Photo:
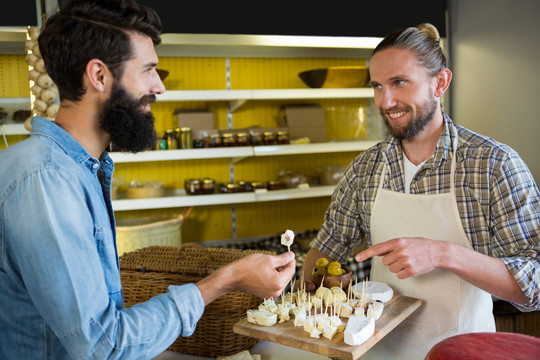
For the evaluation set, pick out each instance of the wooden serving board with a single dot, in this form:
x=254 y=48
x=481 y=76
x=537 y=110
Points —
x=395 y=311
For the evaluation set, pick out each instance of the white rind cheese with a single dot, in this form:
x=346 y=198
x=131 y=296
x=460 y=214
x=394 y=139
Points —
x=358 y=330
x=374 y=291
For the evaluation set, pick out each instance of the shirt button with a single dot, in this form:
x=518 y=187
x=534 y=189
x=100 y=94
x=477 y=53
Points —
x=95 y=166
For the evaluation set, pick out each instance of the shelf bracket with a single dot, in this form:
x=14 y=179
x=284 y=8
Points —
x=235 y=104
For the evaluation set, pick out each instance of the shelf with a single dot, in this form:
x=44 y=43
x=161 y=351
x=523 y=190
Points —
x=220 y=199
x=243 y=151
x=13 y=129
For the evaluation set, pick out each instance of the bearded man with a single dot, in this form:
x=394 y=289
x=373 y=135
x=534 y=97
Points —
x=61 y=294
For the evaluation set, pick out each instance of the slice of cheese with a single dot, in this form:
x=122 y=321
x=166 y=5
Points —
x=375 y=309
x=261 y=317
x=358 y=330
x=374 y=291
x=242 y=355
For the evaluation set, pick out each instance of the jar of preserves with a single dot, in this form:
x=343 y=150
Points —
x=282 y=138
x=256 y=138
x=269 y=138
x=193 y=186
x=172 y=141
x=242 y=139
x=186 y=138
x=257 y=185
x=276 y=185
x=161 y=143
x=229 y=188
x=198 y=143
x=245 y=186
x=208 y=186
x=228 y=139
x=215 y=140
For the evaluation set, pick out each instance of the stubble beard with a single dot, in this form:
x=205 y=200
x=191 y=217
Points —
x=416 y=124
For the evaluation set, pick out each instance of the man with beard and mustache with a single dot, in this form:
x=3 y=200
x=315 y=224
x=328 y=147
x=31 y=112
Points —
x=61 y=294
x=449 y=216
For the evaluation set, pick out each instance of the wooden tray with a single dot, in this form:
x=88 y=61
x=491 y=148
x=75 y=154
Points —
x=395 y=311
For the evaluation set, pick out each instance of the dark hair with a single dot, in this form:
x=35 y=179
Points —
x=423 y=40
x=92 y=29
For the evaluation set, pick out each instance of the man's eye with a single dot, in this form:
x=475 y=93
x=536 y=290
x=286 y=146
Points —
x=376 y=86
x=399 y=82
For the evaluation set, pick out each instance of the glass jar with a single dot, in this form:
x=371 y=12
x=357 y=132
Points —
x=282 y=137
x=256 y=138
x=242 y=139
x=229 y=139
x=245 y=186
x=208 y=186
x=276 y=185
x=258 y=185
x=172 y=141
x=215 y=140
x=161 y=143
x=193 y=186
x=229 y=188
x=186 y=138
x=269 y=138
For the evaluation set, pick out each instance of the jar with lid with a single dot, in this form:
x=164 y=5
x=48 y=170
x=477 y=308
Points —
x=229 y=139
x=256 y=138
x=282 y=137
x=186 y=138
x=229 y=188
x=193 y=186
x=276 y=185
x=161 y=143
x=242 y=139
x=255 y=185
x=172 y=141
x=208 y=186
x=269 y=138
x=245 y=186
x=215 y=140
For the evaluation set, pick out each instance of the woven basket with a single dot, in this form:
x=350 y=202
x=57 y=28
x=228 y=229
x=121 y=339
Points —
x=148 y=272
x=138 y=233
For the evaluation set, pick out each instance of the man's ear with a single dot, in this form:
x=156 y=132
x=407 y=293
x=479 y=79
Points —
x=98 y=75
x=443 y=81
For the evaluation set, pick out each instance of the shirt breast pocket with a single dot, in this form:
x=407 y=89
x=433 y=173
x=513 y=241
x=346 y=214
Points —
x=109 y=260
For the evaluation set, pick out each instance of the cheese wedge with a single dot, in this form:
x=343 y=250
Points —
x=358 y=330
x=261 y=317
x=339 y=294
x=329 y=331
x=243 y=355
x=375 y=309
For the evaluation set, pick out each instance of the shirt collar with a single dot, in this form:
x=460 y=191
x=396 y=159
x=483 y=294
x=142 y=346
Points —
x=45 y=127
x=392 y=148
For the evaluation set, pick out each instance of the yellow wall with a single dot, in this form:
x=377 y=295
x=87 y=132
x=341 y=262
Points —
x=214 y=222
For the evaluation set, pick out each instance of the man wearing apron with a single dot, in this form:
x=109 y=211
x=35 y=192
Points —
x=451 y=217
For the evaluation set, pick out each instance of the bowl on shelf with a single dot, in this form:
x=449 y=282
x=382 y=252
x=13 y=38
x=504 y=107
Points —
x=336 y=77
x=332 y=280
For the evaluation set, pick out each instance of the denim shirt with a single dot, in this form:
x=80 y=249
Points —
x=61 y=296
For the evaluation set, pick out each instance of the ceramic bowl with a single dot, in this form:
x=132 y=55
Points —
x=332 y=280
x=336 y=77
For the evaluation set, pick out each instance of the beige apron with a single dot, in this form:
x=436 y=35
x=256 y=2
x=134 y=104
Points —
x=450 y=305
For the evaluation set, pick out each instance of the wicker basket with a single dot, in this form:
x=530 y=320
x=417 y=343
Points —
x=138 y=233
x=148 y=272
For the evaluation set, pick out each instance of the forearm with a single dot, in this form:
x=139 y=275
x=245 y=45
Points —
x=216 y=284
x=487 y=273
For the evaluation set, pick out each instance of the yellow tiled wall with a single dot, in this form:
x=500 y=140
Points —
x=214 y=222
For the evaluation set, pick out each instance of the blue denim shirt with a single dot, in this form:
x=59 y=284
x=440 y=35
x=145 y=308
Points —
x=60 y=290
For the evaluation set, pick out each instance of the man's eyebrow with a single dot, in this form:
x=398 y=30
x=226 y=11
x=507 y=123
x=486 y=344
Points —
x=393 y=78
x=151 y=64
